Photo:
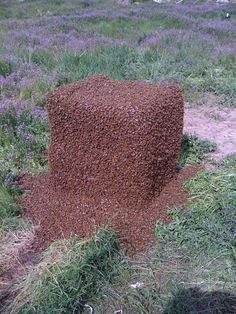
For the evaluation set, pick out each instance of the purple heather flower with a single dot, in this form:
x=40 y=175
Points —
x=2 y=80
x=18 y=104
x=40 y=113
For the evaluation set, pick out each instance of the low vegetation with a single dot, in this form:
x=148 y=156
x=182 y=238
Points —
x=192 y=268
x=24 y=137
x=9 y=210
x=61 y=41
x=70 y=273
x=194 y=150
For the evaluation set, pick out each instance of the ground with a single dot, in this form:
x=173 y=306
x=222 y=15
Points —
x=214 y=124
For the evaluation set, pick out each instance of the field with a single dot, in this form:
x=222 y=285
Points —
x=191 y=268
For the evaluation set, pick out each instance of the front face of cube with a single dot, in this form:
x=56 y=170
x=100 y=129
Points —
x=101 y=149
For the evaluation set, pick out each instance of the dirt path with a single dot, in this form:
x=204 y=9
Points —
x=215 y=124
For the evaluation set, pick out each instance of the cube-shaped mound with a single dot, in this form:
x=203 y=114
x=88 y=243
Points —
x=114 y=140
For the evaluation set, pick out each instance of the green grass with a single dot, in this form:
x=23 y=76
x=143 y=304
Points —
x=126 y=28
x=6 y=67
x=4 y=12
x=9 y=210
x=194 y=150
x=43 y=58
x=192 y=268
x=8 y=207
x=154 y=64
x=69 y=274
x=36 y=93
x=112 y=61
x=208 y=226
x=23 y=141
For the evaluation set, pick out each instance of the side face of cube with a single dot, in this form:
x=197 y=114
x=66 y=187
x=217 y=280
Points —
x=122 y=153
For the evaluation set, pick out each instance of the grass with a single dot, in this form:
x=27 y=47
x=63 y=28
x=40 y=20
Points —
x=42 y=58
x=165 y=43
x=24 y=138
x=4 y=12
x=40 y=8
x=112 y=61
x=194 y=150
x=36 y=93
x=193 y=266
x=209 y=225
x=8 y=207
x=124 y=28
x=9 y=210
x=153 y=64
x=6 y=67
x=69 y=274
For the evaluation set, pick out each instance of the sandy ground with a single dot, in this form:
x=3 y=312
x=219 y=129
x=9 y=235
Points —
x=215 y=124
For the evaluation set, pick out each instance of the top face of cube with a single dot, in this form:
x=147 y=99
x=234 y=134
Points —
x=98 y=94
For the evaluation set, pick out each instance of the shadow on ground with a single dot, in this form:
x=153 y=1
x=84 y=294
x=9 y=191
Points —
x=196 y=301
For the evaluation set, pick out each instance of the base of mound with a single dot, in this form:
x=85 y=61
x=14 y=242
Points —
x=61 y=217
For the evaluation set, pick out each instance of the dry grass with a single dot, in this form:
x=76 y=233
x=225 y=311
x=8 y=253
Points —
x=13 y=245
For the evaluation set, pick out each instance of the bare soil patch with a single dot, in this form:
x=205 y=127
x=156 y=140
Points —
x=214 y=124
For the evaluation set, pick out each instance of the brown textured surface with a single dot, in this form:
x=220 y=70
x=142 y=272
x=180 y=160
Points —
x=113 y=148
x=65 y=216
x=114 y=140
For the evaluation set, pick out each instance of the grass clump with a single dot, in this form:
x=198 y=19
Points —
x=194 y=150
x=9 y=211
x=69 y=274
x=42 y=58
x=4 y=12
x=6 y=67
x=24 y=137
x=8 y=207
x=112 y=61
x=10 y=220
